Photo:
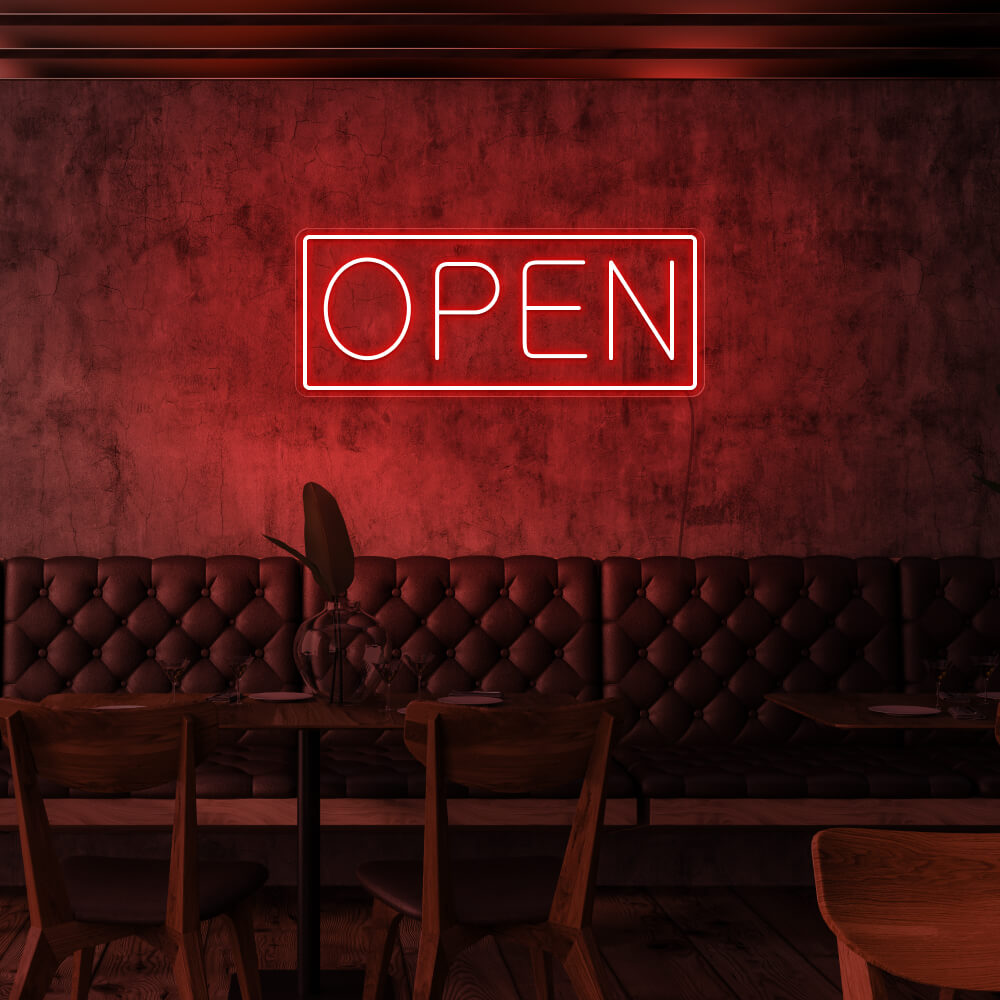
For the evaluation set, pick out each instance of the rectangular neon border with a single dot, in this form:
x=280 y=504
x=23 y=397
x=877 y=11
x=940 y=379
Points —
x=690 y=238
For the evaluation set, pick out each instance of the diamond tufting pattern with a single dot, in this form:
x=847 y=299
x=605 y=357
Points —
x=950 y=610
x=527 y=622
x=693 y=645
x=98 y=625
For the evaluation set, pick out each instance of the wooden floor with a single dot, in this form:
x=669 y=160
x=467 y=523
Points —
x=684 y=944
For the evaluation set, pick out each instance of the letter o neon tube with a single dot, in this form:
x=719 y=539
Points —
x=326 y=309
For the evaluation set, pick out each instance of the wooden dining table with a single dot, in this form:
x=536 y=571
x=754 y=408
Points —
x=843 y=710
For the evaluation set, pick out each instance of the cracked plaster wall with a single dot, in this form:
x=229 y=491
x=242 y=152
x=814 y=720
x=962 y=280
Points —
x=147 y=303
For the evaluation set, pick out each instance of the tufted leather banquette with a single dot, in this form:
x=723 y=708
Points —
x=692 y=646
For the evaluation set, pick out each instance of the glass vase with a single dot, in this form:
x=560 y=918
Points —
x=334 y=649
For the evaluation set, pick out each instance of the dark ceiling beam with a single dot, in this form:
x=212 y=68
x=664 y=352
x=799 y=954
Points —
x=563 y=38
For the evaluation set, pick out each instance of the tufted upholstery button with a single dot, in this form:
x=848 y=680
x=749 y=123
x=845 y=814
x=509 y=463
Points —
x=642 y=654
x=668 y=621
x=670 y=682
x=856 y=592
x=151 y=654
x=450 y=653
x=696 y=653
x=504 y=653
x=450 y=592
x=697 y=713
x=423 y=621
x=97 y=654
x=531 y=682
x=641 y=592
x=396 y=592
x=124 y=621
x=205 y=591
x=557 y=592
x=748 y=592
x=396 y=654
x=69 y=621
x=504 y=591
x=752 y=713
x=177 y=622
x=751 y=654
x=558 y=654
x=258 y=653
x=477 y=621
x=123 y=684
x=151 y=592
x=232 y=621
x=644 y=712
x=531 y=621
x=42 y=653
x=97 y=591
x=804 y=653
x=205 y=654
x=695 y=591
x=777 y=623
x=69 y=683
x=804 y=592
x=44 y=592
x=259 y=592
x=476 y=684
x=859 y=654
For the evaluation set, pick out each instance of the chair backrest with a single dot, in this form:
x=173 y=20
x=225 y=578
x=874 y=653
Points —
x=107 y=751
x=115 y=751
x=511 y=749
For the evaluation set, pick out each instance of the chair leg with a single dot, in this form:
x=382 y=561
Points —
x=541 y=971
x=428 y=980
x=382 y=937
x=239 y=924
x=585 y=967
x=36 y=969
x=189 y=968
x=858 y=979
x=83 y=970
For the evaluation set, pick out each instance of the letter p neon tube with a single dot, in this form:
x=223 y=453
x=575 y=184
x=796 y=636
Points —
x=439 y=312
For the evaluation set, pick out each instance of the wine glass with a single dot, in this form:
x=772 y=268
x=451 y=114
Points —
x=174 y=669
x=419 y=664
x=240 y=665
x=385 y=667
x=985 y=667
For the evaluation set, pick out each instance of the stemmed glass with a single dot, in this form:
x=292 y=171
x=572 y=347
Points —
x=175 y=670
x=419 y=664
x=985 y=667
x=385 y=667
x=240 y=665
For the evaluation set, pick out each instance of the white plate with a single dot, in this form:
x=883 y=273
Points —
x=115 y=708
x=470 y=699
x=904 y=710
x=280 y=696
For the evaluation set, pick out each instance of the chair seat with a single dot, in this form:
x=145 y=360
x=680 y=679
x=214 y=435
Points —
x=494 y=892
x=134 y=890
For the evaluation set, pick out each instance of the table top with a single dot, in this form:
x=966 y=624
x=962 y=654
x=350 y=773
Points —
x=311 y=714
x=853 y=711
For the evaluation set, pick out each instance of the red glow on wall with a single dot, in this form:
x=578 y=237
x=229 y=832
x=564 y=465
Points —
x=530 y=313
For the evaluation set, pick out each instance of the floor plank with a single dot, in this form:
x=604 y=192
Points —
x=744 y=950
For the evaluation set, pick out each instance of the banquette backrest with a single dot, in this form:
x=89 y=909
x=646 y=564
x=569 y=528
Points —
x=950 y=609
x=97 y=625
x=693 y=645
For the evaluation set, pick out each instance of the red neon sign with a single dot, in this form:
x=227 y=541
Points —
x=529 y=313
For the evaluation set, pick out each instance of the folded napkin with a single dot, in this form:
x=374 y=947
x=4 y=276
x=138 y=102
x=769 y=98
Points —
x=478 y=692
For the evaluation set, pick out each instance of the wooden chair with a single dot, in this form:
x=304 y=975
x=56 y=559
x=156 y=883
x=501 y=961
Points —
x=87 y=901
x=923 y=906
x=544 y=903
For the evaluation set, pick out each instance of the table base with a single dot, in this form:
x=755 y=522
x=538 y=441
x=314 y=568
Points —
x=282 y=984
